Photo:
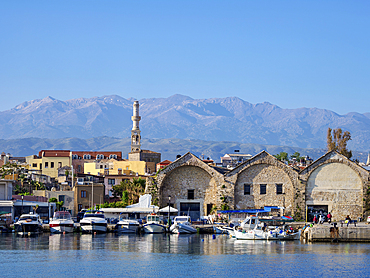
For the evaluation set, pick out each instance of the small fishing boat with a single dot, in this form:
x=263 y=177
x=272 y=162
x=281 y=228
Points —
x=253 y=229
x=94 y=222
x=153 y=225
x=128 y=225
x=182 y=225
x=28 y=224
x=61 y=223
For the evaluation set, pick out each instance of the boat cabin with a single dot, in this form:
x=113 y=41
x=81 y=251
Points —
x=152 y=218
x=62 y=215
x=182 y=219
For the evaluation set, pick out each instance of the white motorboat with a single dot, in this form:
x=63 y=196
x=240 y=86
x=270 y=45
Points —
x=224 y=230
x=61 y=223
x=182 y=225
x=253 y=229
x=28 y=224
x=153 y=225
x=93 y=222
x=128 y=225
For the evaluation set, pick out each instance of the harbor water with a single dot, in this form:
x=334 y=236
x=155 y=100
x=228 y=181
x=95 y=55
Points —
x=161 y=255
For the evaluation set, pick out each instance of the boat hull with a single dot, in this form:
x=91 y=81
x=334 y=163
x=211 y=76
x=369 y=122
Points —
x=94 y=228
x=61 y=228
x=153 y=228
x=265 y=235
x=127 y=228
x=27 y=229
x=182 y=229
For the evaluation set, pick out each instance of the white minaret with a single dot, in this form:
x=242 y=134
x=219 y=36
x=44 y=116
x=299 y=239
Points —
x=135 y=132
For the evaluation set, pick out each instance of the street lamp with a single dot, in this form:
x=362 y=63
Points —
x=22 y=204
x=169 y=203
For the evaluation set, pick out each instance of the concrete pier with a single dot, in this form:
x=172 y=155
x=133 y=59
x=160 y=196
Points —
x=329 y=233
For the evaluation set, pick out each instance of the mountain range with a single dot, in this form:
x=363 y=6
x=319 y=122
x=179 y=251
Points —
x=180 y=117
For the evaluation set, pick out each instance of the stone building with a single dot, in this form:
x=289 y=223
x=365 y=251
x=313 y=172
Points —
x=336 y=184
x=263 y=181
x=331 y=183
x=194 y=186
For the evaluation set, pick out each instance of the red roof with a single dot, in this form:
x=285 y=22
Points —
x=54 y=153
x=165 y=162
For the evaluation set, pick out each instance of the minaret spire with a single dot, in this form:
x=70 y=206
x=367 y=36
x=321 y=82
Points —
x=135 y=132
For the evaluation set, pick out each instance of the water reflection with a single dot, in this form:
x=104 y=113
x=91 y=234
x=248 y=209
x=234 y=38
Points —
x=140 y=255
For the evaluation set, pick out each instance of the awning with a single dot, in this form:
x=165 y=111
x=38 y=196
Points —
x=165 y=209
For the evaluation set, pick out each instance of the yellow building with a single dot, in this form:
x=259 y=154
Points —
x=49 y=161
x=115 y=167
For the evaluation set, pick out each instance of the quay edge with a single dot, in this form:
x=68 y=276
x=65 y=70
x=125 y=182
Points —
x=329 y=233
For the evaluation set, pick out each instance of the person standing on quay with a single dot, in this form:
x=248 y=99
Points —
x=329 y=216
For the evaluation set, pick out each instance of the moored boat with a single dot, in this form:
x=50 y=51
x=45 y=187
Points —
x=61 y=223
x=182 y=225
x=153 y=225
x=28 y=224
x=253 y=229
x=128 y=225
x=93 y=222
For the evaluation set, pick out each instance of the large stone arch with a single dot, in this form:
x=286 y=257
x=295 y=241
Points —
x=189 y=173
x=264 y=169
x=336 y=183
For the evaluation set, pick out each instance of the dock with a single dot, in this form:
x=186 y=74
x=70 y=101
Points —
x=337 y=233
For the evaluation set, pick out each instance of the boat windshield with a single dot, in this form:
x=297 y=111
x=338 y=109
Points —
x=181 y=219
x=93 y=215
x=153 y=218
x=62 y=215
x=33 y=218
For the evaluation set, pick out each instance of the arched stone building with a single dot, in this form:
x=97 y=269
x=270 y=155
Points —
x=331 y=183
x=336 y=184
x=263 y=181
x=193 y=185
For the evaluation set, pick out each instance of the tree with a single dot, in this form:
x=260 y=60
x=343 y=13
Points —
x=58 y=204
x=337 y=140
x=282 y=156
x=297 y=156
x=129 y=191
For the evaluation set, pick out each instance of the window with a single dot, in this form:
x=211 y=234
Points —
x=191 y=194
x=247 y=189
x=59 y=164
x=87 y=156
x=51 y=164
x=79 y=207
x=61 y=198
x=75 y=156
x=111 y=181
x=101 y=166
x=262 y=189
x=83 y=194
x=79 y=168
x=279 y=189
x=46 y=164
x=40 y=166
x=34 y=165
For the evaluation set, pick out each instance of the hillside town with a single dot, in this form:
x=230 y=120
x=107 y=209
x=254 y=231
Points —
x=76 y=181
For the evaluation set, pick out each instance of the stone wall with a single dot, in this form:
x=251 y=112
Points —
x=332 y=180
x=337 y=182
x=264 y=169
x=189 y=172
x=270 y=176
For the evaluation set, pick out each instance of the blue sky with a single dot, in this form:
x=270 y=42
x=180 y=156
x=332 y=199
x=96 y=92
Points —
x=290 y=53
